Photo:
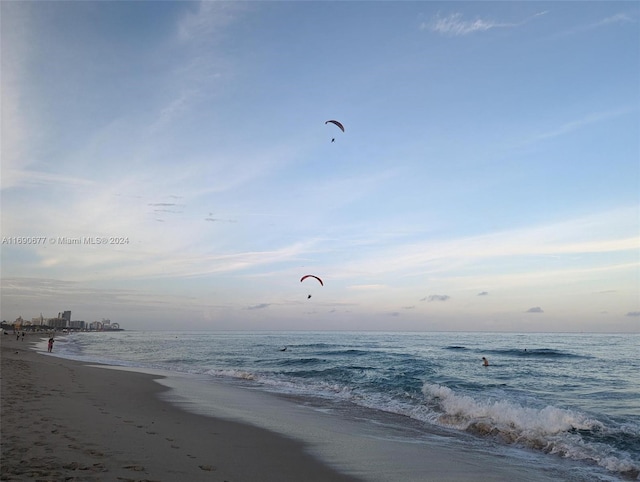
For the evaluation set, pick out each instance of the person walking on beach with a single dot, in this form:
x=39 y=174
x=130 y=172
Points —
x=50 y=347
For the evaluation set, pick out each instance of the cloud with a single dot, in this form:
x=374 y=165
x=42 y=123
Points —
x=454 y=25
x=431 y=298
x=535 y=309
x=51 y=295
x=261 y=306
x=616 y=19
x=29 y=178
x=576 y=124
x=483 y=293
x=18 y=129
x=166 y=211
x=607 y=232
x=206 y=20
x=633 y=313
x=218 y=220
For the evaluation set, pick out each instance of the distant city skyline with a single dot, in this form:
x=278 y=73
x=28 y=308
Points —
x=170 y=164
x=61 y=321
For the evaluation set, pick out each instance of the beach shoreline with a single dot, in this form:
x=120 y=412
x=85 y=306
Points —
x=65 y=420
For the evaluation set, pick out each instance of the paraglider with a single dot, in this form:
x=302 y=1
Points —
x=311 y=276
x=339 y=124
x=336 y=123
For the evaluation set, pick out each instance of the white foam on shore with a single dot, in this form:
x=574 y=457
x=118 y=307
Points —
x=375 y=448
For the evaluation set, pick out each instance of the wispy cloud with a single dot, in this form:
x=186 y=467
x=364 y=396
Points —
x=535 y=309
x=90 y=302
x=612 y=20
x=455 y=25
x=432 y=298
x=576 y=124
x=581 y=236
x=616 y=19
x=31 y=178
x=206 y=19
x=218 y=220
x=17 y=127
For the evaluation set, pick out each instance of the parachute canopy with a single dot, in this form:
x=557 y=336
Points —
x=311 y=276
x=336 y=123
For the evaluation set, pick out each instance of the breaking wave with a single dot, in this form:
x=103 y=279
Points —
x=550 y=429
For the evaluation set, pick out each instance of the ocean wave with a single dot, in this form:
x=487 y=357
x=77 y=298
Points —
x=344 y=352
x=292 y=362
x=239 y=374
x=549 y=429
x=535 y=353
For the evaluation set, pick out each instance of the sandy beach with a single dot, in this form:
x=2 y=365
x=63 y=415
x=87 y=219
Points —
x=63 y=420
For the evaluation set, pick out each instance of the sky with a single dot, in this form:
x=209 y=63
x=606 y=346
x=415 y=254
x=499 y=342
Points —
x=168 y=165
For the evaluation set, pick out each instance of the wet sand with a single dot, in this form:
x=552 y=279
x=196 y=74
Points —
x=64 y=420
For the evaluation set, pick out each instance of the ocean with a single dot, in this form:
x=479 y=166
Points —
x=567 y=402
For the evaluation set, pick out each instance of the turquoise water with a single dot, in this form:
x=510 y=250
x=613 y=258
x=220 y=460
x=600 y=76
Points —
x=562 y=397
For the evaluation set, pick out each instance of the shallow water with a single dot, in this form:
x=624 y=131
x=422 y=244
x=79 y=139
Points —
x=560 y=398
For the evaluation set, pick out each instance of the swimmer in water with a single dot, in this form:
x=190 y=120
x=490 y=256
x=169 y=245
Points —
x=485 y=362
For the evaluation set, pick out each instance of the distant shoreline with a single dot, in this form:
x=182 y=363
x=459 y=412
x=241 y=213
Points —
x=29 y=331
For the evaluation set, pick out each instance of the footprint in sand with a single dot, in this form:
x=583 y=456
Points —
x=95 y=453
x=135 y=468
x=98 y=468
x=208 y=468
